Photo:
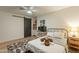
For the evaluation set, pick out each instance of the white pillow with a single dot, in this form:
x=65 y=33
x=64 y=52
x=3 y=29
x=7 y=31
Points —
x=58 y=34
x=62 y=42
x=50 y=34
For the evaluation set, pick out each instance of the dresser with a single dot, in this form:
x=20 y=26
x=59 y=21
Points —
x=73 y=42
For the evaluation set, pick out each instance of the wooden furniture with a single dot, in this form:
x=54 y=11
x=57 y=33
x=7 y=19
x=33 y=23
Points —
x=34 y=23
x=34 y=26
x=73 y=42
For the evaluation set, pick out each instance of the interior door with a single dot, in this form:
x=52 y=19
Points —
x=27 y=27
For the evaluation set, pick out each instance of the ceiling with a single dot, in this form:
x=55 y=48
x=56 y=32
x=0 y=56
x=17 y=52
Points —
x=41 y=10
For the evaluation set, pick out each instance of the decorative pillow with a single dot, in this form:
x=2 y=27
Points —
x=50 y=40
x=42 y=39
x=47 y=42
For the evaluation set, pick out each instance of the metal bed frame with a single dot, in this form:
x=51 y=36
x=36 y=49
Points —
x=58 y=30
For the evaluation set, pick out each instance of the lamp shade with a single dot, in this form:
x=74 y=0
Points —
x=69 y=29
x=77 y=29
x=73 y=31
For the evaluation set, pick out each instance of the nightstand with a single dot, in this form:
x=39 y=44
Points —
x=73 y=42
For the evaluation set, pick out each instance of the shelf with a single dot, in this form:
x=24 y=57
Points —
x=34 y=24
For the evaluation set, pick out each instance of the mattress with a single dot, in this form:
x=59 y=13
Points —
x=38 y=47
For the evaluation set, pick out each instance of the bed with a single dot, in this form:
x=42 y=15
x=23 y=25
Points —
x=59 y=36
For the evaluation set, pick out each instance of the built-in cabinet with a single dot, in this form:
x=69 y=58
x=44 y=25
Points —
x=34 y=26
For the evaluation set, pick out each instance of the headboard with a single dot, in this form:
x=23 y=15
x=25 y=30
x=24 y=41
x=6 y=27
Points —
x=60 y=35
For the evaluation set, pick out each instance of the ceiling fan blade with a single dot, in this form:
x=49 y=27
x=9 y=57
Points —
x=34 y=10
x=18 y=16
x=23 y=8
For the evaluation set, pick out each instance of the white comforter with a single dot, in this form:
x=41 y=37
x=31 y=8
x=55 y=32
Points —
x=38 y=47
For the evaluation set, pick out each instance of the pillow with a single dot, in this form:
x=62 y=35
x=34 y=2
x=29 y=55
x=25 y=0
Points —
x=58 y=35
x=50 y=34
x=50 y=39
x=42 y=39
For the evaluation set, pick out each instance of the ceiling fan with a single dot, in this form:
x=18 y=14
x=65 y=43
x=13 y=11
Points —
x=29 y=9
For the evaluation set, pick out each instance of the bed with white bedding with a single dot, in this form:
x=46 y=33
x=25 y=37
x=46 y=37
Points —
x=38 y=47
x=57 y=46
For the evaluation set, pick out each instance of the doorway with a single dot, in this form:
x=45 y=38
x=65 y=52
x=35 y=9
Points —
x=27 y=27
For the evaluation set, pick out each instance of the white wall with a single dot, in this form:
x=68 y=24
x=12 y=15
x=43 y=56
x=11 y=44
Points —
x=62 y=18
x=10 y=27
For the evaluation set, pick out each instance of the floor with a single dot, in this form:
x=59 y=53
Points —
x=3 y=46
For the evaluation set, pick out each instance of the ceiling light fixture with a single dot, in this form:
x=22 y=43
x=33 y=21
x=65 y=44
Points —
x=29 y=12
